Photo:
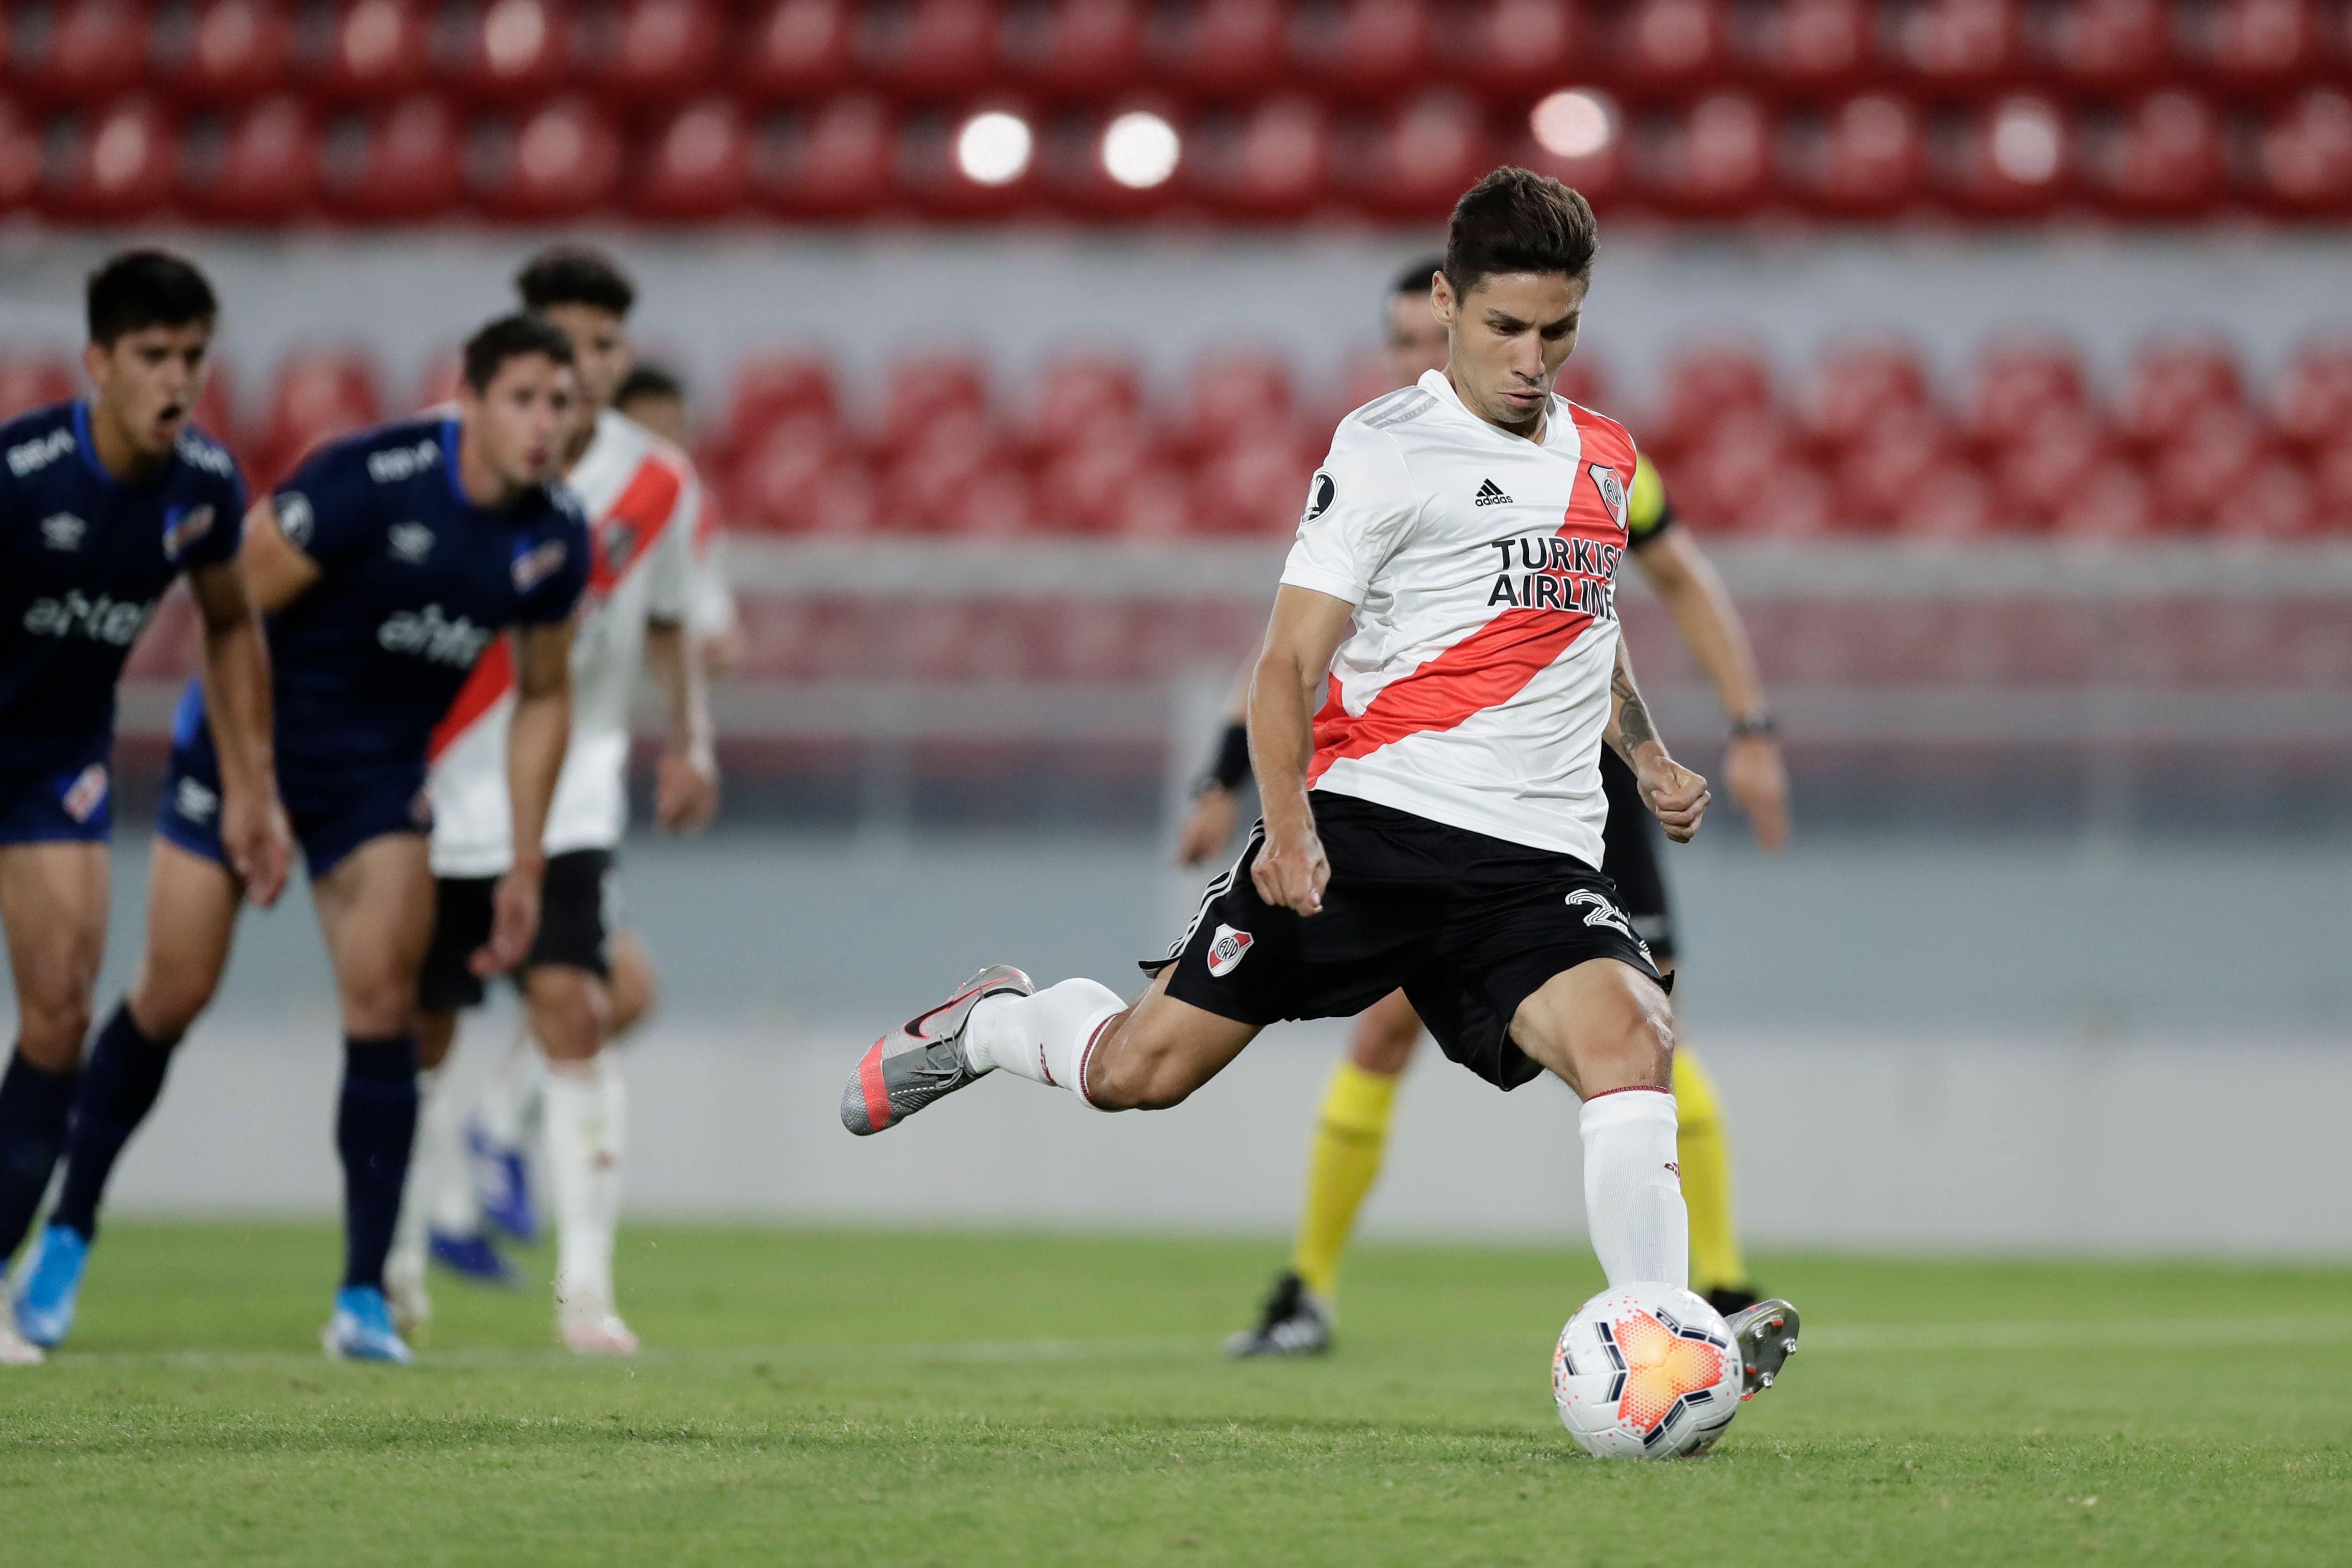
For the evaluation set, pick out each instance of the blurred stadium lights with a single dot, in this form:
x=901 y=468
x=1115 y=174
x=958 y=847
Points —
x=1139 y=149
x=1576 y=123
x=2026 y=139
x=993 y=147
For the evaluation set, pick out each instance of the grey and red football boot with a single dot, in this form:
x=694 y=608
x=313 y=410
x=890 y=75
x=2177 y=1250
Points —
x=911 y=1067
x=1766 y=1334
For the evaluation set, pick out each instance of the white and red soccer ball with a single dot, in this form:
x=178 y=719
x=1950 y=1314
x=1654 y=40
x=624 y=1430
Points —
x=1647 y=1372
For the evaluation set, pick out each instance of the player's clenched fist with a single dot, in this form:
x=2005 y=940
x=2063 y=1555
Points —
x=1290 y=871
x=1675 y=794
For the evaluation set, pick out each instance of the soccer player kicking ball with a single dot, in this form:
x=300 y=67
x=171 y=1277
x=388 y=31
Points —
x=386 y=565
x=1351 y=1131
x=1439 y=822
x=103 y=502
x=583 y=980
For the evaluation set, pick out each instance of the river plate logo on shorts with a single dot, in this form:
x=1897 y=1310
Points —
x=1227 y=950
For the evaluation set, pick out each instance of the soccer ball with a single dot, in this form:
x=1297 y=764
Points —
x=1647 y=1372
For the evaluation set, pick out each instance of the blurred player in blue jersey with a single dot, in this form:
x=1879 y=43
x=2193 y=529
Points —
x=386 y=565
x=103 y=502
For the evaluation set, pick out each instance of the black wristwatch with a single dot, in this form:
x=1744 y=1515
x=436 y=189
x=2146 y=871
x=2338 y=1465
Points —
x=1759 y=725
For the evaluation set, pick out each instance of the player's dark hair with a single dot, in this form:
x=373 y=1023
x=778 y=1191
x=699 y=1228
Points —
x=1415 y=279
x=1516 y=220
x=140 y=288
x=648 y=382
x=569 y=275
x=510 y=337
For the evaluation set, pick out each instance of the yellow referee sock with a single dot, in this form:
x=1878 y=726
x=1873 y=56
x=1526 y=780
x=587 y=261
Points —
x=1705 y=1159
x=1351 y=1136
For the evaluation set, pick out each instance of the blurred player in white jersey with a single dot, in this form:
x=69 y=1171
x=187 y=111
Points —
x=585 y=978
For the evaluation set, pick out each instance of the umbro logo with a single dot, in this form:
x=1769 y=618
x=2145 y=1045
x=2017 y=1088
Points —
x=1490 y=495
x=411 y=542
x=63 y=530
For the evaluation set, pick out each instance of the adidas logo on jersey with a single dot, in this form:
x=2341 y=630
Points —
x=428 y=633
x=1490 y=495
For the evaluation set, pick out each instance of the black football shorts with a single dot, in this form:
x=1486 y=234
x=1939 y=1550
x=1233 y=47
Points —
x=577 y=916
x=1630 y=857
x=1469 y=925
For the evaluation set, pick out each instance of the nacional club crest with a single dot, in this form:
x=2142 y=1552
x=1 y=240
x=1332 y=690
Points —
x=184 y=526
x=87 y=793
x=536 y=564
x=1612 y=490
x=1229 y=949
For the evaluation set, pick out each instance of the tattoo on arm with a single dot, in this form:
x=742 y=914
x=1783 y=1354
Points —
x=1632 y=729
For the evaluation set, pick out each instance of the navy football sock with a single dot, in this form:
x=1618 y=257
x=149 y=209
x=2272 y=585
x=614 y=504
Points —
x=375 y=1126
x=34 y=1103
x=118 y=1088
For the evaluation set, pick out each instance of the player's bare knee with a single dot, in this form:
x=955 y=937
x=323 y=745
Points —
x=570 y=1012
x=379 y=1000
x=53 y=1019
x=167 y=998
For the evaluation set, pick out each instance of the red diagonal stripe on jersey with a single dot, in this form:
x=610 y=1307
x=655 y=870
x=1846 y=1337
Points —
x=493 y=677
x=643 y=510
x=1489 y=667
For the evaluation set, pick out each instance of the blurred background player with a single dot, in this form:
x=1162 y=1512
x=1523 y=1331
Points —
x=655 y=397
x=104 y=501
x=1351 y=1131
x=386 y=565
x=584 y=979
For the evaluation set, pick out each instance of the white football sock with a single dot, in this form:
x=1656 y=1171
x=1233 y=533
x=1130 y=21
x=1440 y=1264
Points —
x=437 y=1171
x=1634 y=1187
x=405 y=1262
x=584 y=1107
x=1044 y=1037
x=503 y=1107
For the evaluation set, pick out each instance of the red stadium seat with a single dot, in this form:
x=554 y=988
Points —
x=771 y=389
x=2014 y=158
x=796 y=47
x=2275 y=500
x=1790 y=500
x=1720 y=163
x=2019 y=385
x=1578 y=137
x=1872 y=159
x=2257 y=44
x=2174 y=387
x=20 y=157
x=1431 y=151
x=1673 y=46
x=1256 y=485
x=378 y=49
x=406 y=163
x=318 y=394
x=802 y=479
x=2306 y=154
x=2314 y=399
x=930 y=484
x=934 y=390
x=1584 y=381
x=1881 y=473
x=1965 y=44
x=28 y=382
x=1370 y=48
x=263 y=169
x=697 y=163
x=1952 y=501
x=2111 y=46
x=94 y=49
x=1237 y=395
x=1855 y=388
x=1820 y=46
x=1718 y=476
x=565 y=159
x=1225 y=48
x=929 y=169
x=2166 y=158
x=506 y=49
x=1506 y=48
x=1088 y=48
x=122 y=163
x=216 y=407
x=1703 y=386
x=1079 y=395
x=444 y=375
x=651 y=51
x=2114 y=501
x=936 y=47
x=1115 y=484
x=1271 y=163
x=2046 y=461
x=836 y=163
x=2202 y=466
x=2331 y=475
x=230 y=49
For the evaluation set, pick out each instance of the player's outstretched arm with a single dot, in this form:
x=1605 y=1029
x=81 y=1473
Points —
x=1677 y=795
x=1307 y=630
x=685 y=787
x=235 y=678
x=536 y=736
x=1711 y=628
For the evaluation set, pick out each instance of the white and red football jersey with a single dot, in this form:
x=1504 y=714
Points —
x=643 y=501
x=1482 y=566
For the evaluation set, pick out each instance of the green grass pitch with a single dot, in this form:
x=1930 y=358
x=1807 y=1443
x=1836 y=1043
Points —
x=816 y=1397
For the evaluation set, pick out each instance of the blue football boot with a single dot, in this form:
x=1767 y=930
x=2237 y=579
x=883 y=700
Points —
x=361 y=1328
x=503 y=1183
x=471 y=1255
x=46 y=1300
